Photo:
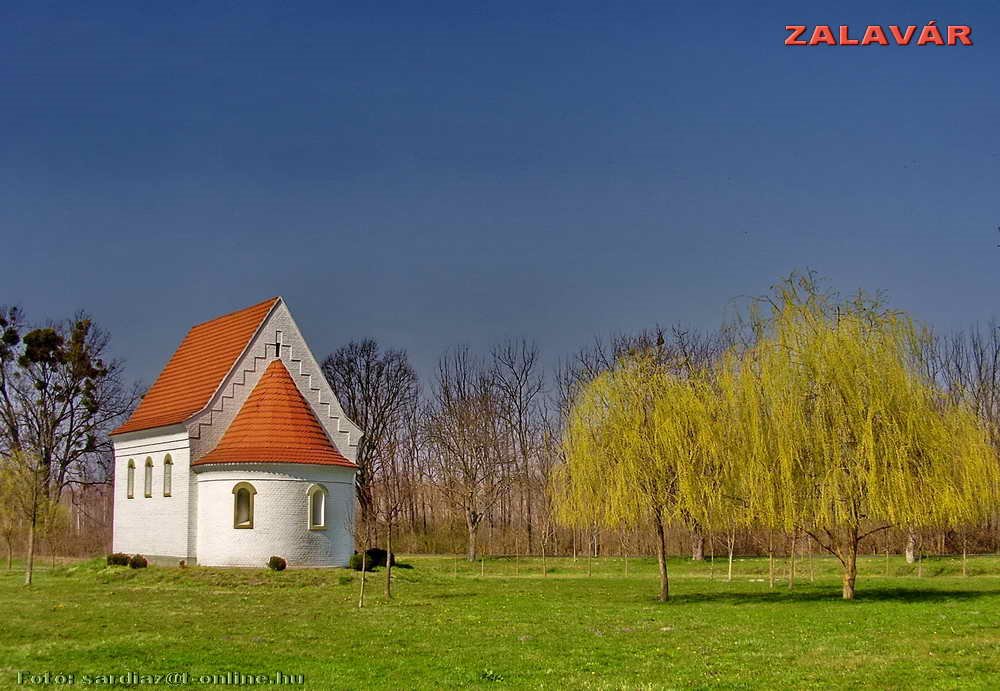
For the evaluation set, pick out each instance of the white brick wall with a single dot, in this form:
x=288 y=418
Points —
x=280 y=525
x=196 y=523
x=156 y=525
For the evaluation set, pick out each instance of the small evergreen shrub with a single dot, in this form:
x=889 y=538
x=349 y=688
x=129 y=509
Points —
x=377 y=556
x=355 y=563
x=138 y=562
x=118 y=559
x=276 y=564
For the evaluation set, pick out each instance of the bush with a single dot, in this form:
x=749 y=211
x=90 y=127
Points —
x=138 y=562
x=118 y=559
x=355 y=563
x=377 y=556
x=276 y=564
x=374 y=558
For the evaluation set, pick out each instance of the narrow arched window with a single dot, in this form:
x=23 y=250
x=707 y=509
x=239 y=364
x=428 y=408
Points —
x=243 y=494
x=317 y=507
x=148 y=480
x=168 y=471
x=130 y=483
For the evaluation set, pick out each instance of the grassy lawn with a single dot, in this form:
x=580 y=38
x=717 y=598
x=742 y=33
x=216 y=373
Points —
x=451 y=627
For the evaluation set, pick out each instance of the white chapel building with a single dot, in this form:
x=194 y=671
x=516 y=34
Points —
x=238 y=452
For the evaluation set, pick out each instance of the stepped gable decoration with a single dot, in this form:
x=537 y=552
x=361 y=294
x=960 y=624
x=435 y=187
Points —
x=275 y=425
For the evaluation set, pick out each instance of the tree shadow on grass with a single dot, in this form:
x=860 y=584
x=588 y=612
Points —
x=831 y=595
x=453 y=595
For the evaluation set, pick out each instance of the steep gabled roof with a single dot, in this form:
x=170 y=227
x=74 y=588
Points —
x=197 y=368
x=275 y=425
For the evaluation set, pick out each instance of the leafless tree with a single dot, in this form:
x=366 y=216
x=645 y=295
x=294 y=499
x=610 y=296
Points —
x=465 y=428
x=518 y=379
x=393 y=486
x=376 y=388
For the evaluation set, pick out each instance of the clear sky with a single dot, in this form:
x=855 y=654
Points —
x=442 y=173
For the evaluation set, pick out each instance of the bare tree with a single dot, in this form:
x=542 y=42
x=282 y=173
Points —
x=375 y=388
x=520 y=385
x=392 y=484
x=466 y=431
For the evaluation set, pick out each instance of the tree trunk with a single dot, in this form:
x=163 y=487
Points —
x=542 y=545
x=965 y=557
x=388 y=560
x=365 y=510
x=30 y=567
x=711 y=557
x=10 y=556
x=770 y=560
x=527 y=503
x=661 y=556
x=364 y=566
x=472 y=525
x=591 y=551
x=850 y=569
x=730 y=546
x=697 y=543
x=791 y=563
x=911 y=547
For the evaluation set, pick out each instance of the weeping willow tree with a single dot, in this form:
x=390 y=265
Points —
x=838 y=433
x=634 y=443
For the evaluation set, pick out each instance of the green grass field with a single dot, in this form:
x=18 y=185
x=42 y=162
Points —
x=451 y=626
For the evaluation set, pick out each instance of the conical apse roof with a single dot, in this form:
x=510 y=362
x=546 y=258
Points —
x=275 y=425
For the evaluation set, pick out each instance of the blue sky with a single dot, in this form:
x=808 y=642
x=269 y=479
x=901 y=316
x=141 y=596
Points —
x=463 y=174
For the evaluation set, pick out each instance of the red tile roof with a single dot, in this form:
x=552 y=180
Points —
x=275 y=425
x=197 y=368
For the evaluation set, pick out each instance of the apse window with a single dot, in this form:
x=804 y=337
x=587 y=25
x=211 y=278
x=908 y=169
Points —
x=243 y=495
x=130 y=484
x=317 y=507
x=148 y=480
x=168 y=471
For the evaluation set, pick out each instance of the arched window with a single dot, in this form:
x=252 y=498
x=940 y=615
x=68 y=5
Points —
x=130 y=484
x=243 y=494
x=168 y=471
x=148 y=484
x=317 y=507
